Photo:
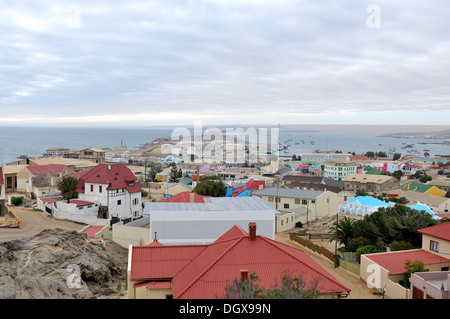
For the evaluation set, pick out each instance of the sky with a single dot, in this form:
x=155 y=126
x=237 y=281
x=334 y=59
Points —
x=148 y=63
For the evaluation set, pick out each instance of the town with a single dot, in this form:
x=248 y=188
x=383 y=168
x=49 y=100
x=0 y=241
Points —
x=158 y=224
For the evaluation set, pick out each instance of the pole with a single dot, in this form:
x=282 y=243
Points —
x=336 y=263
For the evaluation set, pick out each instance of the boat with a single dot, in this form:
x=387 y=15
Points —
x=408 y=146
x=426 y=150
x=312 y=143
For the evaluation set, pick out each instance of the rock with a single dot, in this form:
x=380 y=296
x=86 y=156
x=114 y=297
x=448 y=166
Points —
x=58 y=264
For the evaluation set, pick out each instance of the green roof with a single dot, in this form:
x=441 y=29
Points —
x=417 y=187
x=371 y=170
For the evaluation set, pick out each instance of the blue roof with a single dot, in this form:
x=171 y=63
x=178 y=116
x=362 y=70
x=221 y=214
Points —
x=368 y=201
x=420 y=207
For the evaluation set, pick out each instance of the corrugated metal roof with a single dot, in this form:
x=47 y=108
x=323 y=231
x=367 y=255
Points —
x=440 y=231
x=287 y=192
x=203 y=271
x=394 y=262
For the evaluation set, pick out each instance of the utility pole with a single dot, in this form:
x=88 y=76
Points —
x=336 y=263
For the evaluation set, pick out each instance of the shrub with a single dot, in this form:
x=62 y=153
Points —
x=17 y=201
x=400 y=245
x=354 y=243
x=368 y=249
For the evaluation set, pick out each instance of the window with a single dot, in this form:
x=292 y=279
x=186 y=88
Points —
x=444 y=268
x=92 y=188
x=286 y=206
x=277 y=199
x=270 y=199
x=297 y=201
x=313 y=201
x=119 y=202
x=304 y=202
x=100 y=187
x=434 y=245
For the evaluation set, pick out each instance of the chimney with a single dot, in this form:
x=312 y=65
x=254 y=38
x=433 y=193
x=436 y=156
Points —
x=252 y=231
x=244 y=274
x=192 y=197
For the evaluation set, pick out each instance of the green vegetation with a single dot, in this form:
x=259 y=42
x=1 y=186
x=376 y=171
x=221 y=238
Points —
x=17 y=201
x=395 y=227
x=67 y=185
x=290 y=287
x=411 y=266
x=211 y=187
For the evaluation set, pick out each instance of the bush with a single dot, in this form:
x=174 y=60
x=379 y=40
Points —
x=354 y=243
x=368 y=249
x=400 y=245
x=17 y=201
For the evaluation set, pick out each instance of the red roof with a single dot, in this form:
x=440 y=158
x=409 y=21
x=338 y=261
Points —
x=440 y=231
x=185 y=197
x=49 y=200
x=52 y=169
x=155 y=285
x=203 y=271
x=91 y=231
x=255 y=185
x=394 y=262
x=116 y=175
x=79 y=202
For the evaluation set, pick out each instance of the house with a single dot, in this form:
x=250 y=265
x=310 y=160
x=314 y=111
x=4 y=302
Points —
x=163 y=176
x=157 y=271
x=408 y=169
x=386 y=269
x=363 y=205
x=371 y=183
x=96 y=155
x=246 y=189
x=179 y=223
x=185 y=197
x=317 y=203
x=338 y=170
x=425 y=208
x=45 y=203
x=360 y=159
x=423 y=188
x=2 y=184
x=323 y=157
x=40 y=180
x=438 y=204
x=171 y=189
x=57 y=152
x=114 y=188
x=10 y=179
x=442 y=184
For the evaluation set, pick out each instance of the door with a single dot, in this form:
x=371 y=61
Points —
x=417 y=293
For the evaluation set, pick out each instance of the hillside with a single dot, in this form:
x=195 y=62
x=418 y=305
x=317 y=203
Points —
x=42 y=267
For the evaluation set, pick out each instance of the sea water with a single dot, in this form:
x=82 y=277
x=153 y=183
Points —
x=34 y=141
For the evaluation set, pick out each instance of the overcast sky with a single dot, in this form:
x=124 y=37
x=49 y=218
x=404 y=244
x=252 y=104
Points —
x=144 y=63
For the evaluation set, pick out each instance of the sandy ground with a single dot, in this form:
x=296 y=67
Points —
x=359 y=289
x=33 y=222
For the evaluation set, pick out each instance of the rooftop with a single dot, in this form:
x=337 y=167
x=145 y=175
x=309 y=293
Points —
x=439 y=231
x=286 y=192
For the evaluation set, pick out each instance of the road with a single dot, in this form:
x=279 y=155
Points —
x=359 y=289
x=33 y=222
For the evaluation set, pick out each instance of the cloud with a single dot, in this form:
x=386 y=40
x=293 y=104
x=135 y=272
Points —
x=138 y=61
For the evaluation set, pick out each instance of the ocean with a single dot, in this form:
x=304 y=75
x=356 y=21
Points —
x=33 y=141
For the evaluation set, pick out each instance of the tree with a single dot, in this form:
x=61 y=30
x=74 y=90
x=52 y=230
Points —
x=410 y=266
x=214 y=188
x=394 y=223
x=396 y=156
x=290 y=287
x=397 y=174
x=67 y=185
x=400 y=245
x=368 y=249
x=361 y=192
x=370 y=154
x=345 y=229
x=425 y=178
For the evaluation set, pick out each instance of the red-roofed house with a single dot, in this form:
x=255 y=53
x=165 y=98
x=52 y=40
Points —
x=113 y=186
x=204 y=271
x=186 y=197
x=387 y=268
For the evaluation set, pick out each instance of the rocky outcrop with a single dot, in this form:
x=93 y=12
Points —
x=58 y=264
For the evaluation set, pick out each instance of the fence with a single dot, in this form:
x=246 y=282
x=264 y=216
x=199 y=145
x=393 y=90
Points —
x=310 y=245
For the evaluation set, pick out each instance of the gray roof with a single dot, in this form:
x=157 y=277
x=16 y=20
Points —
x=286 y=192
x=212 y=204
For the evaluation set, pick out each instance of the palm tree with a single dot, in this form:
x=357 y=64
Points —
x=67 y=185
x=345 y=230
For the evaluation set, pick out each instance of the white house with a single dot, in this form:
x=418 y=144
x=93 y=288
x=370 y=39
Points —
x=113 y=186
x=203 y=223
x=363 y=205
